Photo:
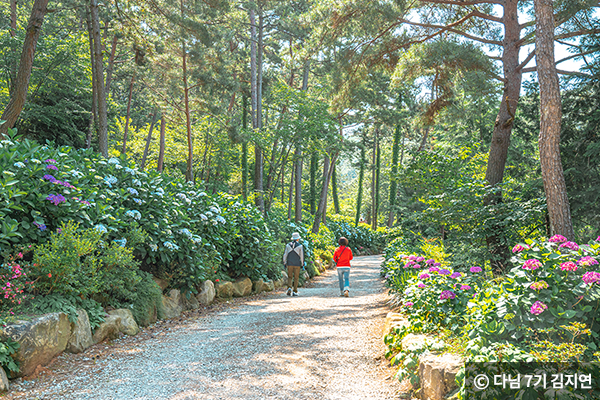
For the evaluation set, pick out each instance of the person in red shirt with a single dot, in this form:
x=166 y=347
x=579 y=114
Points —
x=342 y=257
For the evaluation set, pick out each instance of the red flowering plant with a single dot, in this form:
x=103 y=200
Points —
x=15 y=286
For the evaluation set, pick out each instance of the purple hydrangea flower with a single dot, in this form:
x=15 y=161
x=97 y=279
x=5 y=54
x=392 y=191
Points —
x=41 y=227
x=591 y=277
x=56 y=199
x=50 y=161
x=430 y=261
x=587 y=261
x=538 y=307
x=557 y=239
x=424 y=276
x=67 y=185
x=421 y=285
x=447 y=294
x=568 y=266
x=444 y=272
x=539 y=285
x=50 y=178
x=532 y=264
x=53 y=167
x=475 y=269
x=434 y=269
x=570 y=245
x=456 y=275
x=437 y=264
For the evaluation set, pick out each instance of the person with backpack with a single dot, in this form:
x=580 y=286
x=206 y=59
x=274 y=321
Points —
x=293 y=259
x=342 y=257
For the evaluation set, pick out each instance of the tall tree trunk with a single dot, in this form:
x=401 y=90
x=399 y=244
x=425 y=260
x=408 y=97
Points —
x=126 y=131
x=254 y=89
x=298 y=156
x=324 y=214
x=328 y=170
x=100 y=95
x=361 y=178
x=550 y=122
x=13 y=32
x=377 y=185
x=161 y=147
x=334 y=190
x=374 y=181
x=245 y=150
x=94 y=113
x=149 y=139
x=394 y=176
x=313 y=183
x=291 y=193
x=17 y=99
x=503 y=126
x=111 y=64
x=189 y=173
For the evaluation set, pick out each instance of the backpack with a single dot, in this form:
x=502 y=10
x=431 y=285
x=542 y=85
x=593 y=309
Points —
x=293 y=258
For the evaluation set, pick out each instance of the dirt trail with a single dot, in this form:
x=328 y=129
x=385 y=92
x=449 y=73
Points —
x=316 y=346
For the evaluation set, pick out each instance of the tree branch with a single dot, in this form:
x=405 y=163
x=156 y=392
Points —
x=464 y=3
x=450 y=28
x=526 y=61
x=560 y=71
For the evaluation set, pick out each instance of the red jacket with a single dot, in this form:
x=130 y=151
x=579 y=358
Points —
x=342 y=256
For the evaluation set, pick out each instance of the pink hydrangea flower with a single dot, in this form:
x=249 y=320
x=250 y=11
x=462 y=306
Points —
x=417 y=266
x=412 y=258
x=424 y=276
x=557 y=239
x=532 y=264
x=591 y=277
x=465 y=287
x=570 y=245
x=587 y=261
x=518 y=248
x=598 y=239
x=539 y=285
x=421 y=285
x=409 y=304
x=420 y=259
x=475 y=269
x=538 y=307
x=447 y=294
x=568 y=266
x=434 y=269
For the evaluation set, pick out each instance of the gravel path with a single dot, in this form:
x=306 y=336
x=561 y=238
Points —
x=316 y=346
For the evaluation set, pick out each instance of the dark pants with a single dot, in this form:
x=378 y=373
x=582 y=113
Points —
x=293 y=274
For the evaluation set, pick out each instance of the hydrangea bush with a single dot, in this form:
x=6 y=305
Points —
x=191 y=236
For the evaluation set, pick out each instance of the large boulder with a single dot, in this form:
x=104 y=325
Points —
x=81 y=334
x=224 y=290
x=259 y=286
x=190 y=302
x=41 y=340
x=269 y=286
x=127 y=325
x=4 y=385
x=172 y=304
x=242 y=287
x=206 y=293
x=393 y=320
x=437 y=375
x=162 y=283
x=109 y=329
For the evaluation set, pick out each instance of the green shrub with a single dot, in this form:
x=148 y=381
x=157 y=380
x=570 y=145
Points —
x=8 y=347
x=148 y=297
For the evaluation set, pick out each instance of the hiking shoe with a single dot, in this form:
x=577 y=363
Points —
x=289 y=292
x=346 y=293
x=295 y=294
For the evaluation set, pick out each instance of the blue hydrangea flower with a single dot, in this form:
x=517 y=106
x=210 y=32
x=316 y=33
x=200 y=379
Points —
x=153 y=247
x=114 y=160
x=101 y=228
x=133 y=191
x=135 y=214
x=221 y=219
x=110 y=180
x=121 y=242
x=137 y=182
x=203 y=217
x=171 y=245
x=137 y=201
x=19 y=165
x=186 y=232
